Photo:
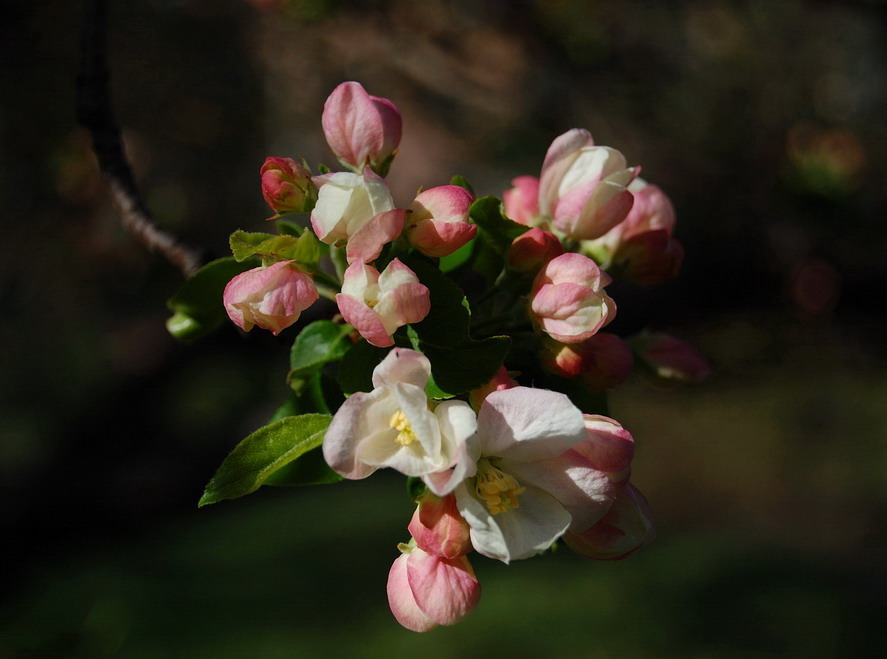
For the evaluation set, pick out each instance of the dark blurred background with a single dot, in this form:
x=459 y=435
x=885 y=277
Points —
x=762 y=119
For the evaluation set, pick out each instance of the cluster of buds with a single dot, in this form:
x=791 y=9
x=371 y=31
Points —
x=503 y=469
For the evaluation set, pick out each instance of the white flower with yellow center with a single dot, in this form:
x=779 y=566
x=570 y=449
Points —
x=530 y=485
x=396 y=426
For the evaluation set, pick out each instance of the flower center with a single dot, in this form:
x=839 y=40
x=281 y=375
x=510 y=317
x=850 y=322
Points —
x=406 y=435
x=497 y=489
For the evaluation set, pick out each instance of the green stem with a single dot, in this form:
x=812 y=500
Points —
x=340 y=261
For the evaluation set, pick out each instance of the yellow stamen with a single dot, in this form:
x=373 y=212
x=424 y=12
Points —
x=498 y=490
x=406 y=434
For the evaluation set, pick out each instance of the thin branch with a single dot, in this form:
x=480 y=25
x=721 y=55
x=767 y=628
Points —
x=94 y=113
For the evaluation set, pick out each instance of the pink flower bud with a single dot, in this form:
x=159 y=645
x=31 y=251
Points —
x=438 y=528
x=271 y=297
x=584 y=188
x=627 y=527
x=438 y=224
x=602 y=361
x=287 y=186
x=608 y=446
x=567 y=300
x=532 y=250
x=377 y=304
x=502 y=380
x=669 y=360
x=641 y=248
x=425 y=590
x=653 y=257
x=522 y=201
x=362 y=130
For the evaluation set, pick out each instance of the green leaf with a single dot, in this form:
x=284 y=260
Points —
x=264 y=452
x=458 y=362
x=305 y=248
x=493 y=227
x=310 y=469
x=356 y=367
x=458 y=369
x=319 y=343
x=462 y=182
x=197 y=306
x=458 y=258
x=285 y=227
x=416 y=488
x=448 y=321
x=289 y=407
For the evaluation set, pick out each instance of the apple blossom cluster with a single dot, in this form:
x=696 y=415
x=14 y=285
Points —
x=460 y=343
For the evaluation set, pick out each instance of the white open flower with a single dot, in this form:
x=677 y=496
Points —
x=529 y=483
x=394 y=426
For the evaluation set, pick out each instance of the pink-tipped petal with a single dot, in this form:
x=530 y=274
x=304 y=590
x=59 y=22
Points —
x=401 y=600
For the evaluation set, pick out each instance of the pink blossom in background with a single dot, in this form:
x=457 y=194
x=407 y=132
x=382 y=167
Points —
x=641 y=248
x=602 y=361
x=531 y=250
x=287 y=186
x=626 y=527
x=377 y=304
x=668 y=359
x=568 y=301
x=438 y=222
x=583 y=189
x=361 y=129
x=270 y=297
x=521 y=203
x=425 y=590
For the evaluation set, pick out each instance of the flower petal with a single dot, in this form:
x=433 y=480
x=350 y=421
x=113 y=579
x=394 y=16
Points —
x=524 y=424
x=400 y=598
x=514 y=534
x=445 y=590
x=403 y=365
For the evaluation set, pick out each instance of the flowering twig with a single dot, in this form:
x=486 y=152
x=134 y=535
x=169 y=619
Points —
x=94 y=113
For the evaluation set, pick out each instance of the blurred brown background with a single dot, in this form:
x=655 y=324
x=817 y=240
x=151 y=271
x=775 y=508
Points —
x=762 y=119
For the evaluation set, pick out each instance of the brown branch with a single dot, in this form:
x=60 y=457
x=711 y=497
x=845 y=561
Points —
x=94 y=113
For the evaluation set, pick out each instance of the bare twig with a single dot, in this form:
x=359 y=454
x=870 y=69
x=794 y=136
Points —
x=94 y=113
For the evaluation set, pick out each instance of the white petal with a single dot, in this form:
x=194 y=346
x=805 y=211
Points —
x=518 y=533
x=525 y=424
x=457 y=425
x=403 y=365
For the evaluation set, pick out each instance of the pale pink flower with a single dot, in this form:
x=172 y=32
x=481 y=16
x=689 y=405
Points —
x=358 y=209
x=271 y=297
x=425 y=590
x=394 y=426
x=641 y=248
x=534 y=478
x=583 y=188
x=361 y=129
x=625 y=528
x=531 y=250
x=668 y=359
x=521 y=203
x=568 y=301
x=377 y=304
x=602 y=361
x=287 y=186
x=438 y=224
x=438 y=528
